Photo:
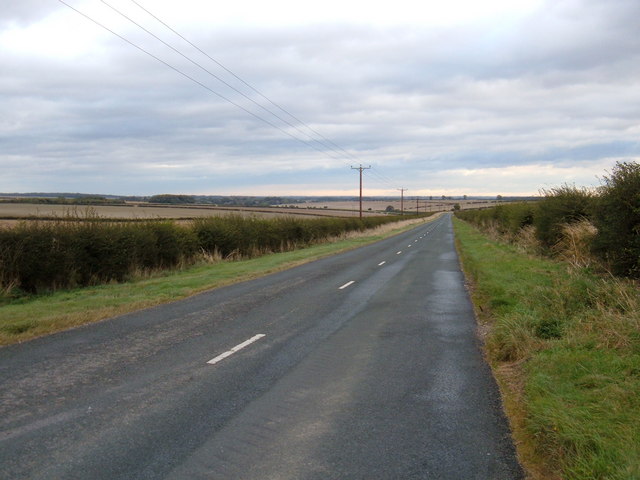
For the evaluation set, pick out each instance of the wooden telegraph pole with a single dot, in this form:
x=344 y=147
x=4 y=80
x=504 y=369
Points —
x=402 y=190
x=360 y=168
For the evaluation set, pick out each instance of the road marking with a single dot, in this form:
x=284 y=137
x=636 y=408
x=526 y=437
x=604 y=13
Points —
x=347 y=284
x=382 y=263
x=398 y=253
x=409 y=246
x=238 y=347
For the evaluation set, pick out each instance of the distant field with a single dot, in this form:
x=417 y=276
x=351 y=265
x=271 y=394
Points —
x=409 y=205
x=13 y=212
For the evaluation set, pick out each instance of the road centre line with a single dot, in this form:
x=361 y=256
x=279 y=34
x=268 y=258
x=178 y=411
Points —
x=398 y=253
x=382 y=263
x=347 y=284
x=238 y=347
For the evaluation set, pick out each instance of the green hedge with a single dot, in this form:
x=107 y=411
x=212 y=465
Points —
x=41 y=256
x=617 y=218
x=44 y=256
x=507 y=218
x=613 y=208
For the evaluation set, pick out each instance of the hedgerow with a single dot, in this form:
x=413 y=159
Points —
x=617 y=218
x=561 y=206
x=41 y=256
x=608 y=217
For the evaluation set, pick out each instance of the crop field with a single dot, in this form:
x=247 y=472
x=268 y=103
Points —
x=11 y=213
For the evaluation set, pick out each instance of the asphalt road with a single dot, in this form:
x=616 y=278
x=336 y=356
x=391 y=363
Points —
x=365 y=365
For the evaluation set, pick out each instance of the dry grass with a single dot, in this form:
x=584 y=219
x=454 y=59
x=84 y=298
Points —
x=574 y=246
x=9 y=223
x=526 y=240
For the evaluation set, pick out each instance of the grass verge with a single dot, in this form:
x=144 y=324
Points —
x=565 y=348
x=34 y=316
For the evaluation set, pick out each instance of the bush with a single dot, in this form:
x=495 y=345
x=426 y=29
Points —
x=506 y=218
x=560 y=206
x=617 y=218
x=518 y=216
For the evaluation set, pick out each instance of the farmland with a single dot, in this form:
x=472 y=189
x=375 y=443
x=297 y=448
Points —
x=12 y=212
x=409 y=204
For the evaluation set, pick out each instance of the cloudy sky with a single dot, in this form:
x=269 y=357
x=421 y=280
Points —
x=284 y=97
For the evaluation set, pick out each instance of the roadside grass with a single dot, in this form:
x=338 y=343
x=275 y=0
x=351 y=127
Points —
x=564 y=344
x=36 y=315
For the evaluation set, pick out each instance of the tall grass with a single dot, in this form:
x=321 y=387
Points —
x=42 y=256
x=565 y=344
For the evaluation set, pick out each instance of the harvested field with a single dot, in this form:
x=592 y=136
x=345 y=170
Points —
x=409 y=205
x=11 y=212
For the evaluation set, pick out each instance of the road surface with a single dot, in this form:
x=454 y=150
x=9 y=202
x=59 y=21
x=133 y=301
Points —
x=364 y=365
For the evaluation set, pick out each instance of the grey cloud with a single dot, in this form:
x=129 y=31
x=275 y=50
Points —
x=24 y=12
x=557 y=87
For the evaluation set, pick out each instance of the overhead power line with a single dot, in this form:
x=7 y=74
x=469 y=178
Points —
x=244 y=82
x=191 y=78
x=381 y=178
x=313 y=138
x=200 y=66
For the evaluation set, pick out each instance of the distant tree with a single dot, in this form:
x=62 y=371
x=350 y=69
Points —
x=389 y=209
x=430 y=197
x=456 y=206
x=498 y=197
x=444 y=197
x=172 y=199
x=464 y=197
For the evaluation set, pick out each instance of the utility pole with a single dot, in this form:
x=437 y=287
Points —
x=402 y=190
x=360 y=168
x=417 y=212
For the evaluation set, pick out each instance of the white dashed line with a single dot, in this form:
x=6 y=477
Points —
x=398 y=253
x=382 y=263
x=238 y=347
x=347 y=284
